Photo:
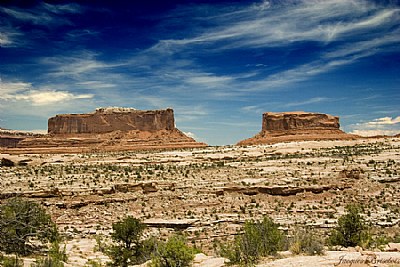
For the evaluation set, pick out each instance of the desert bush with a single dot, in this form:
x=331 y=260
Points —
x=100 y=244
x=10 y=261
x=351 y=230
x=55 y=258
x=258 y=239
x=380 y=241
x=47 y=262
x=129 y=248
x=7 y=162
x=21 y=223
x=94 y=263
x=304 y=241
x=173 y=253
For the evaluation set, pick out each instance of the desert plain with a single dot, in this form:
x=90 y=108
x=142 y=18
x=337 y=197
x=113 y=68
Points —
x=208 y=193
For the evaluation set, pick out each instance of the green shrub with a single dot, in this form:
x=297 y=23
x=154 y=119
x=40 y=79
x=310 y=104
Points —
x=174 y=253
x=148 y=248
x=128 y=248
x=47 y=262
x=380 y=241
x=93 y=263
x=351 y=230
x=306 y=242
x=55 y=258
x=259 y=239
x=11 y=261
x=21 y=223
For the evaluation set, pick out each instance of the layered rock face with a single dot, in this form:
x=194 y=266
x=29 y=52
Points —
x=276 y=122
x=297 y=126
x=105 y=120
x=110 y=129
x=10 y=138
x=9 y=141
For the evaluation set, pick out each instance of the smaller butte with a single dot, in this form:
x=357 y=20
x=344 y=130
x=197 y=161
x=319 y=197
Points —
x=297 y=126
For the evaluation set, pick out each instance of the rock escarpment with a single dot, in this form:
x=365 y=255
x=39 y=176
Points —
x=106 y=120
x=110 y=129
x=297 y=126
x=295 y=121
x=10 y=138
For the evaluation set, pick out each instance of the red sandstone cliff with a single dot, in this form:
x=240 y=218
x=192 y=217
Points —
x=105 y=120
x=110 y=129
x=297 y=126
x=286 y=121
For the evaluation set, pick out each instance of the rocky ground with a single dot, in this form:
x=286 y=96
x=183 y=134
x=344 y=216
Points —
x=208 y=193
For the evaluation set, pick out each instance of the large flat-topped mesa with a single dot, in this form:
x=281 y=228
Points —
x=109 y=129
x=105 y=120
x=297 y=126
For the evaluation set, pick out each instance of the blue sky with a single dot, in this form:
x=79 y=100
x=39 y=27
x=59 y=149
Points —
x=218 y=64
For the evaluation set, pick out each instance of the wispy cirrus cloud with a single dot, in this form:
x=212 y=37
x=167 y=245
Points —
x=63 y=8
x=5 y=39
x=277 y=24
x=8 y=36
x=351 y=30
x=82 y=63
x=208 y=79
x=96 y=84
x=44 y=14
x=259 y=109
x=253 y=109
x=313 y=100
x=13 y=22
x=360 y=47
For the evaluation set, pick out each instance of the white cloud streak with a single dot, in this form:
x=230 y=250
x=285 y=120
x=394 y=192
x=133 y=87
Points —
x=21 y=91
x=356 y=24
x=7 y=88
x=96 y=84
x=313 y=100
x=385 y=121
x=5 y=39
x=63 y=8
x=311 y=20
x=379 y=126
x=369 y=133
x=82 y=63
x=44 y=98
x=45 y=14
x=8 y=36
x=11 y=34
